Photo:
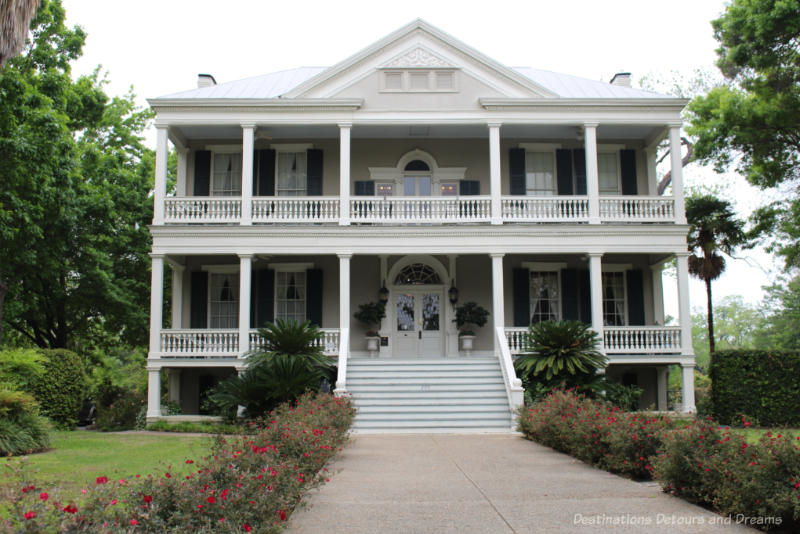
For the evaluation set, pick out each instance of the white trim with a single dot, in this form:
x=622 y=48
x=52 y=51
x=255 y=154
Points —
x=405 y=79
x=541 y=266
x=290 y=267
x=539 y=147
x=291 y=147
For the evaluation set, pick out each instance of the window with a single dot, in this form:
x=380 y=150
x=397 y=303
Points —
x=224 y=300
x=449 y=189
x=384 y=190
x=539 y=174
x=393 y=81
x=607 y=173
x=417 y=274
x=292 y=178
x=545 y=296
x=290 y=295
x=614 y=299
x=445 y=81
x=227 y=179
x=419 y=80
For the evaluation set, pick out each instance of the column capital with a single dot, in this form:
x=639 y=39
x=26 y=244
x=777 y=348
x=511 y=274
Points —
x=157 y=256
x=245 y=255
x=344 y=124
x=174 y=265
x=497 y=254
x=248 y=126
x=675 y=124
x=683 y=254
x=494 y=124
x=343 y=255
x=688 y=365
x=161 y=126
x=153 y=368
x=591 y=124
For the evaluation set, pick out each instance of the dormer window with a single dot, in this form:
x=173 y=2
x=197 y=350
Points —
x=419 y=81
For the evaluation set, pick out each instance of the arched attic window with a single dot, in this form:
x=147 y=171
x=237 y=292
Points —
x=417 y=274
x=417 y=166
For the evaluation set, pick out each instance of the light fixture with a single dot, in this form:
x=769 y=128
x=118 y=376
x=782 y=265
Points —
x=453 y=293
x=383 y=293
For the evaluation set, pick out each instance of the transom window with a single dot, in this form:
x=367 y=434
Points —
x=540 y=174
x=290 y=295
x=607 y=173
x=292 y=175
x=227 y=179
x=545 y=296
x=224 y=300
x=614 y=299
x=417 y=274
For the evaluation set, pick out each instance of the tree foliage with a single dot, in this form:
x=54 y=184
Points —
x=780 y=329
x=75 y=199
x=753 y=122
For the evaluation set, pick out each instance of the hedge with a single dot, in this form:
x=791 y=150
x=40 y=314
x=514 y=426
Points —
x=761 y=384
x=22 y=431
x=62 y=388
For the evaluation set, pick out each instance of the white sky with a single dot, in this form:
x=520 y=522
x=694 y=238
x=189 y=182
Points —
x=160 y=46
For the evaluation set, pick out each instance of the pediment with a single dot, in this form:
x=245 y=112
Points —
x=419 y=46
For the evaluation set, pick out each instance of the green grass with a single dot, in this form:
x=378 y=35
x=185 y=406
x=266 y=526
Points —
x=752 y=435
x=206 y=428
x=77 y=458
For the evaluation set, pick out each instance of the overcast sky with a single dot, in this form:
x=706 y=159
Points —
x=160 y=46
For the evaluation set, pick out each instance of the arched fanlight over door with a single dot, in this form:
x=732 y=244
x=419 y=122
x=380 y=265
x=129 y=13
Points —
x=417 y=274
x=417 y=165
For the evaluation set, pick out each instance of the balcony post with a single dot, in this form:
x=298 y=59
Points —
x=344 y=321
x=650 y=156
x=687 y=387
x=182 y=171
x=684 y=309
x=160 y=189
x=495 y=183
x=676 y=172
x=658 y=293
x=156 y=303
x=248 y=135
x=177 y=295
x=245 y=274
x=498 y=307
x=662 y=401
x=153 y=393
x=174 y=385
x=596 y=290
x=344 y=173
x=592 y=179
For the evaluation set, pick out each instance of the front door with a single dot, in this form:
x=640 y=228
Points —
x=418 y=328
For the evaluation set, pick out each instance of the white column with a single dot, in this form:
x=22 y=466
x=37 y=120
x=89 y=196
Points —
x=596 y=290
x=182 y=171
x=153 y=393
x=495 y=182
x=248 y=135
x=677 y=172
x=344 y=173
x=592 y=180
x=498 y=310
x=177 y=295
x=658 y=293
x=687 y=387
x=684 y=305
x=160 y=189
x=344 y=321
x=650 y=156
x=245 y=273
x=663 y=385
x=174 y=385
x=450 y=326
x=156 y=303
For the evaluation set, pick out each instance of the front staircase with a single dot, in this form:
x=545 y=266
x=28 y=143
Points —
x=429 y=395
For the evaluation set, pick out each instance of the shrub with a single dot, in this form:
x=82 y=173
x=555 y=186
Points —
x=62 y=387
x=122 y=412
x=470 y=313
x=559 y=350
x=763 y=384
x=21 y=368
x=21 y=429
x=14 y=403
x=626 y=397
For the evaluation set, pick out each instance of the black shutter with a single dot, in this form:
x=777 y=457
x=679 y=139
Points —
x=569 y=295
x=516 y=169
x=263 y=305
x=314 y=172
x=564 y=171
x=202 y=173
x=627 y=161
x=264 y=172
x=364 y=188
x=585 y=296
x=198 y=303
x=469 y=187
x=635 y=282
x=522 y=297
x=314 y=296
x=579 y=162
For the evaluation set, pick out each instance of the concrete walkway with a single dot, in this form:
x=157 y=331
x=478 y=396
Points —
x=439 y=483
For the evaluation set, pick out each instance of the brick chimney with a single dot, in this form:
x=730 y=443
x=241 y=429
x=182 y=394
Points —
x=205 y=80
x=623 y=79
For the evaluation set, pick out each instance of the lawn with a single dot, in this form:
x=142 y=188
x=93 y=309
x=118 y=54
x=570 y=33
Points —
x=77 y=458
x=752 y=435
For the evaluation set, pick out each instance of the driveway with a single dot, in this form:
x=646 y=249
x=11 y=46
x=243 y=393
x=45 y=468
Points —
x=462 y=484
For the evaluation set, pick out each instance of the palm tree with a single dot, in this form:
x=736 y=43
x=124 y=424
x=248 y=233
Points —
x=713 y=230
x=560 y=348
x=15 y=18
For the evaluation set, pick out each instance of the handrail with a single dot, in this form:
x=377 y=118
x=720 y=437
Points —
x=341 y=375
x=513 y=384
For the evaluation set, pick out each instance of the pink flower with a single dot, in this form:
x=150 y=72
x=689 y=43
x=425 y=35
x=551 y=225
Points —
x=134 y=522
x=282 y=515
x=30 y=515
x=168 y=475
x=211 y=500
x=70 y=508
x=101 y=480
x=247 y=528
x=44 y=496
x=113 y=502
x=148 y=498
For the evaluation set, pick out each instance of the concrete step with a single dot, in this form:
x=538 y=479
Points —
x=499 y=400
x=440 y=409
x=505 y=424
x=353 y=374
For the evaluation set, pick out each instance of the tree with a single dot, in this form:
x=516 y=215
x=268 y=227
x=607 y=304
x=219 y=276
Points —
x=780 y=328
x=74 y=205
x=15 y=18
x=713 y=230
x=737 y=324
x=754 y=121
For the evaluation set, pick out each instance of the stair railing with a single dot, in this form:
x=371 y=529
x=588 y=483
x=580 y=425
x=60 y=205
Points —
x=513 y=384
x=341 y=376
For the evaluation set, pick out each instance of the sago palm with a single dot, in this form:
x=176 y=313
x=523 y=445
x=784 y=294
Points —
x=558 y=347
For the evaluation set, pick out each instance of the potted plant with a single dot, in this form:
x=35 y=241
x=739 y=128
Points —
x=469 y=314
x=370 y=315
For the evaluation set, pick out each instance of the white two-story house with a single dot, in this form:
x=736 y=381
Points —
x=422 y=173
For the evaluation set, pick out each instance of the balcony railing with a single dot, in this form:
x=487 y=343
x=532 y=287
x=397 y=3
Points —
x=637 y=209
x=296 y=210
x=545 y=209
x=329 y=341
x=619 y=339
x=199 y=343
x=202 y=210
x=411 y=210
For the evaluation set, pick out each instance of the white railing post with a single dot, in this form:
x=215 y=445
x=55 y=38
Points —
x=245 y=275
x=656 y=272
x=684 y=305
x=248 y=135
x=156 y=303
x=344 y=173
x=592 y=178
x=160 y=185
x=596 y=290
x=344 y=322
x=495 y=181
x=676 y=172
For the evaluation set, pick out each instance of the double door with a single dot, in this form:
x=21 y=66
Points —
x=418 y=324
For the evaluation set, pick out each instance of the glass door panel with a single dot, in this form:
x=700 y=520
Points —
x=405 y=313
x=430 y=311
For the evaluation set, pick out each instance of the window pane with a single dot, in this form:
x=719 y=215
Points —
x=405 y=313
x=445 y=80
x=614 y=299
x=607 y=173
x=292 y=178
x=418 y=81
x=394 y=80
x=430 y=311
x=290 y=295
x=224 y=300
x=545 y=297
x=424 y=186
x=227 y=178
x=409 y=186
x=539 y=174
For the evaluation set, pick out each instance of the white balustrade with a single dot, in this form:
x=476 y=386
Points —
x=515 y=337
x=642 y=339
x=545 y=209
x=410 y=210
x=199 y=343
x=202 y=210
x=513 y=384
x=296 y=209
x=329 y=341
x=637 y=209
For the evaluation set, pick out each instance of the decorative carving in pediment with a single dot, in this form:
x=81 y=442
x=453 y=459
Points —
x=418 y=58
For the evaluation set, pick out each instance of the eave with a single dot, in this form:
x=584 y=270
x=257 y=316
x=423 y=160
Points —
x=533 y=104
x=273 y=104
